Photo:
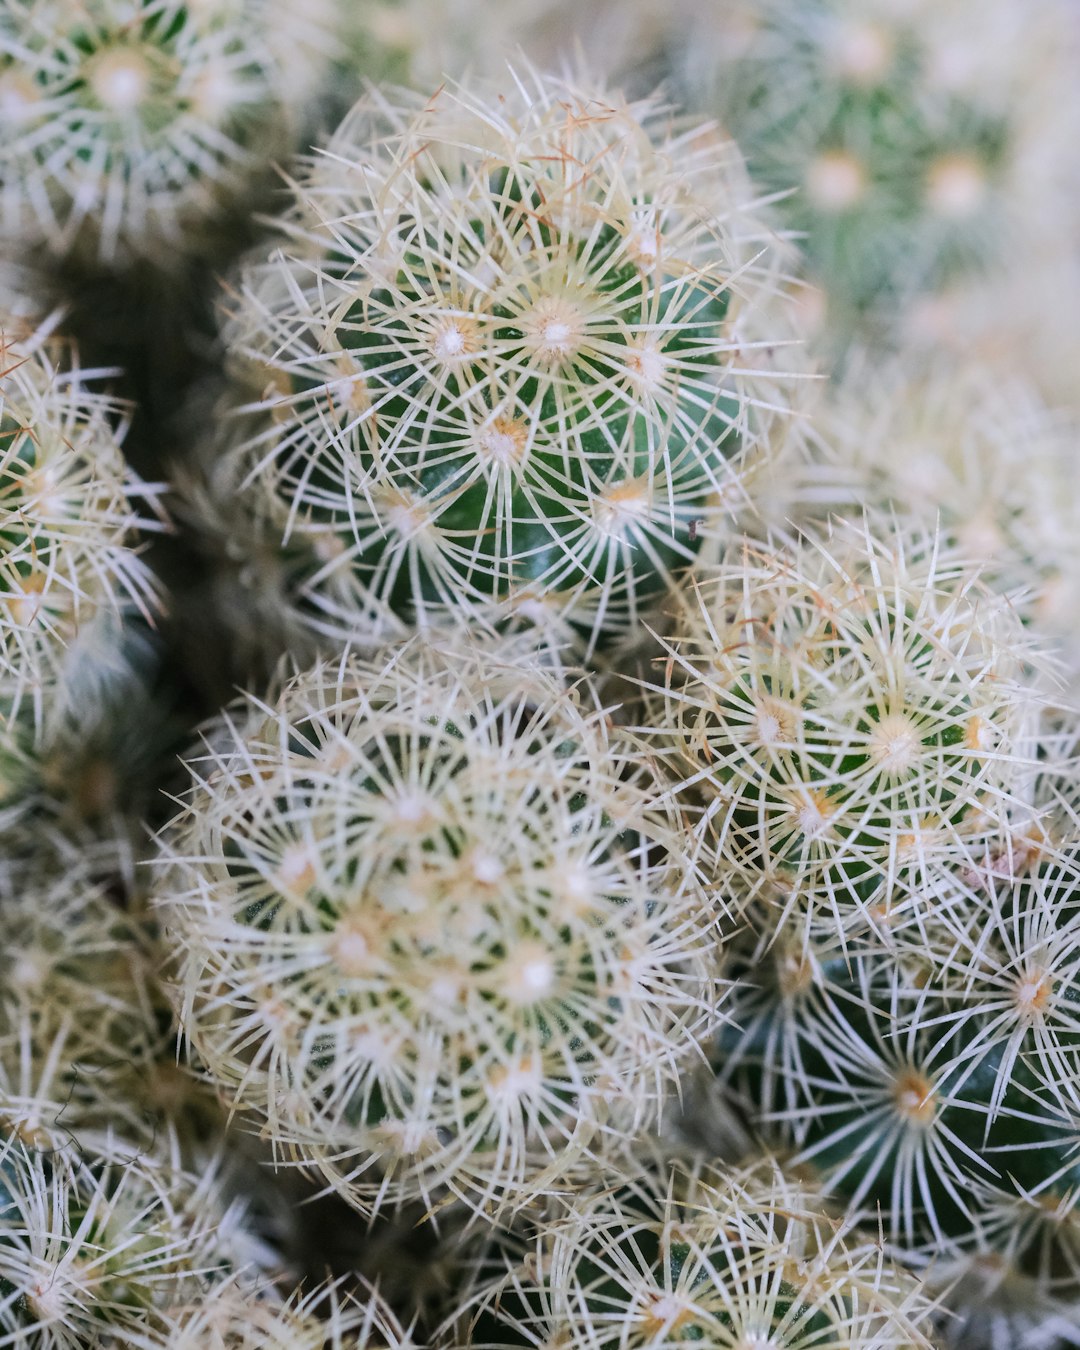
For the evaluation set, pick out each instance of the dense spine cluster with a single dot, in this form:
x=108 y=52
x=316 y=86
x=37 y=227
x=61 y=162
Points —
x=843 y=713
x=507 y=357
x=681 y=1254
x=558 y=825
x=432 y=929
x=71 y=517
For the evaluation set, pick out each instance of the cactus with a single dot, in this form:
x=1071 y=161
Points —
x=980 y=456
x=508 y=356
x=129 y=125
x=99 y=1238
x=682 y=1254
x=935 y=1084
x=431 y=929
x=918 y=141
x=842 y=713
x=70 y=565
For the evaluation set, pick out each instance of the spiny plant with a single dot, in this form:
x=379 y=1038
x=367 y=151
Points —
x=128 y=125
x=85 y=1030
x=431 y=930
x=415 y=43
x=684 y=1253
x=954 y=445
x=509 y=356
x=843 y=711
x=913 y=138
x=70 y=565
x=234 y=1317
x=100 y=1238
x=934 y=1083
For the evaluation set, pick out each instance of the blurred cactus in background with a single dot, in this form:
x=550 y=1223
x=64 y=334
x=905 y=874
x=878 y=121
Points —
x=128 y=125
x=918 y=142
x=71 y=513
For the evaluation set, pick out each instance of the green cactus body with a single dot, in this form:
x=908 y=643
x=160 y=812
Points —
x=687 y=1255
x=128 y=125
x=508 y=357
x=459 y=949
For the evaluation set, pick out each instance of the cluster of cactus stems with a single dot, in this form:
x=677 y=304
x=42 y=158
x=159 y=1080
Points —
x=630 y=899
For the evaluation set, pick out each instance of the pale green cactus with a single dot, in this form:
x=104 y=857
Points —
x=512 y=356
x=918 y=141
x=431 y=929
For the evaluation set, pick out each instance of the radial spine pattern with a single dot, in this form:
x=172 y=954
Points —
x=510 y=356
x=431 y=929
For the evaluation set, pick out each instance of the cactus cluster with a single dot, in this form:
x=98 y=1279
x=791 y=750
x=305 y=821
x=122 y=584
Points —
x=631 y=898
x=129 y=125
x=507 y=356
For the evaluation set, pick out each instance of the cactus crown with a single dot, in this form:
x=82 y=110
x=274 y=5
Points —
x=504 y=355
x=430 y=926
x=129 y=120
x=683 y=1255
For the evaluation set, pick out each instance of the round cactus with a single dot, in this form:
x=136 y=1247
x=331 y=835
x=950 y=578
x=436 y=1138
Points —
x=916 y=141
x=843 y=712
x=70 y=569
x=126 y=124
x=684 y=1254
x=934 y=1084
x=430 y=927
x=510 y=355
x=99 y=1238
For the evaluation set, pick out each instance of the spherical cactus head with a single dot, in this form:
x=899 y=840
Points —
x=682 y=1253
x=510 y=355
x=129 y=126
x=432 y=927
x=843 y=710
